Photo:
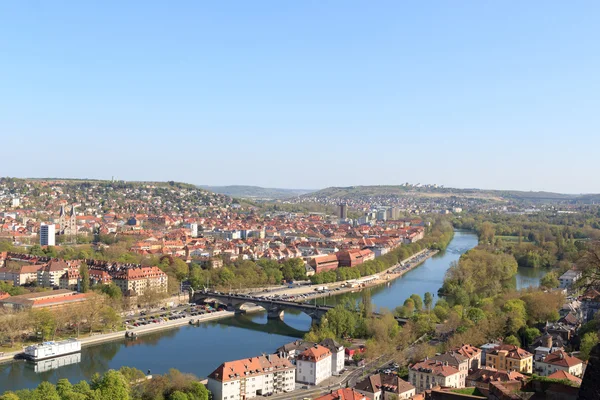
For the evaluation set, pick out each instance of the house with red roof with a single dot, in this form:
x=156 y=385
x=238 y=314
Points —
x=313 y=365
x=559 y=361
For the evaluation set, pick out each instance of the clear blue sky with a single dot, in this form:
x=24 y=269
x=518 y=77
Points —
x=304 y=94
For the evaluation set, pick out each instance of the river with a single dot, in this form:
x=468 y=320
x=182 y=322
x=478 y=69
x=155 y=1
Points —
x=199 y=350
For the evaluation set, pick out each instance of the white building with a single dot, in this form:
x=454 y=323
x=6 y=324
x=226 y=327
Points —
x=47 y=235
x=430 y=373
x=313 y=365
x=252 y=377
x=569 y=278
x=559 y=361
x=337 y=355
x=194 y=230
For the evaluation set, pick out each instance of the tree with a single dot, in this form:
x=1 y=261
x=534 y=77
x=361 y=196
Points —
x=475 y=315
x=512 y=339
x=588 y=341
x=112 y=291
x=550 y=280
x=198 y=390
x=9 y=396
x=428 y=300
x=45 y=391
x=44 y=322
x=113 y=386
x=366 y=304
x=409 y=304
x=530 y=334
x=516 y=315
x=177 y=395
x=84 y=274
x=418 y=302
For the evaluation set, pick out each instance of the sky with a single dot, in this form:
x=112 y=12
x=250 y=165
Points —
x=303 y=94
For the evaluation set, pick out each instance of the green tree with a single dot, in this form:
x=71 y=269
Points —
x=177 y=395
x=9 y=396
x=45 y=391
x=516 y=315
x=113 y=386
x=588 y=341
x=476 y=315
x=366 y=304
x=84 y=273
x=550 y=280
x=199 y=391
x=418 y=302
x=530 y=334
x=112 y=291
x=428 y=300
x=512 y=339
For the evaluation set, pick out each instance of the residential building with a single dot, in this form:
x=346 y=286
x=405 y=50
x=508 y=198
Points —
x=457 y=361
x=569 y=278
x=472 y=353
x=19 y=273
x=562 y=375
x=47 y=235
x=49 y=275
x=485 y=349
x=559 y=361
x=385 y=387
x=510 y=358
x=354 y=257
x=482 y=377
x=313 y=365
x=430 y=373
x=252 y=377
x=70 y=279
x=135 y=281
x=342 y=394
x=337 y=355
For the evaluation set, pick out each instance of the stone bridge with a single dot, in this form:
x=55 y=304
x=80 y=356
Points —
x=275 y=308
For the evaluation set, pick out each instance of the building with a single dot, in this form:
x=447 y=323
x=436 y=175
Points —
x=430 y=373
x=19 y=273
x=472 y=353
x=385 y=387
x=49 y=275
x=354 y=257
x=313 y=365
x=67 y=223
x=337 y=355
x=252 y=377
x=52 y=299
x=194 y=230
x=568 y=279
x=342 y=394
x=324 y=263
x=457 y=361
x=482 y=377
x=343 y=211
x=135 y=281
x=70 y=279
x=559 y=361
x=47 y=235
x=510 y=358
x=562 y=375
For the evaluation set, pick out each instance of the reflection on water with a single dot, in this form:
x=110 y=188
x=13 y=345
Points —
x=54 y=363
x=528 y=277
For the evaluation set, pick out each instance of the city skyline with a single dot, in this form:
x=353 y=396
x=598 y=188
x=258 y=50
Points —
x=305 y=95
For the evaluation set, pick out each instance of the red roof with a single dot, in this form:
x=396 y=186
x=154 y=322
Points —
x=342 y=394
x=561 y=358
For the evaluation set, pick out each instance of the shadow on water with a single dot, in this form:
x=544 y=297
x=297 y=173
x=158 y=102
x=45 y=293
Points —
x=260 y=323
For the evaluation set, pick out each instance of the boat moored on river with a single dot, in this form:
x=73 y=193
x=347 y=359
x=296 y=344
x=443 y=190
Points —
x=46 y=350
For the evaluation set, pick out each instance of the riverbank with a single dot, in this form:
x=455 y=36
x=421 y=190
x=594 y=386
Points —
x=141 y=330
x=394 y=272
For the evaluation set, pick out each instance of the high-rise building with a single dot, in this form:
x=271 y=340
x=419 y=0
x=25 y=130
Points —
x=343 y=211
x=47 y=233
x=194 y=230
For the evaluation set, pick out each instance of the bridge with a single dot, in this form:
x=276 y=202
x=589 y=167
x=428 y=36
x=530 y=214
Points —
x=275 y=308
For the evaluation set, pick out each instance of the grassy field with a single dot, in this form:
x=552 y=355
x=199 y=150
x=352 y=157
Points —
x=512 y=238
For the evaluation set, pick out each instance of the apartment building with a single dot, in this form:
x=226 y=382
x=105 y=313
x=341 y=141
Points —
x=430 y=373
x=49 y=274
x=252 y=377
x=510 y=358
x=568 y=279
x=313 y=365
x=472 y=353
x=135 y=281
x=385 y=387
x=457 y=361
x=559 y=361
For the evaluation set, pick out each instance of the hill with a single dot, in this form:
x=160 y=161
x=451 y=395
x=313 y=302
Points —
x=255 y=192
x=354 y=192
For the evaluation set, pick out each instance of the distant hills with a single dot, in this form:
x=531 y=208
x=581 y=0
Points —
x=256 y=192
x=350 y=192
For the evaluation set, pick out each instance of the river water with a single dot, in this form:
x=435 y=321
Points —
x=199 y=350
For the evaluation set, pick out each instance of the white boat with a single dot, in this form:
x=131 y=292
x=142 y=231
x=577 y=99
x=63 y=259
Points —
x=46 y=350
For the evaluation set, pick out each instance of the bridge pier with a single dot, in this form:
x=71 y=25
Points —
x=275 y=313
